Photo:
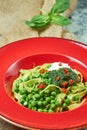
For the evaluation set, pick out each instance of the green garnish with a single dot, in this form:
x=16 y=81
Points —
x=63 y=77
x=49 y=91
x=54 y=16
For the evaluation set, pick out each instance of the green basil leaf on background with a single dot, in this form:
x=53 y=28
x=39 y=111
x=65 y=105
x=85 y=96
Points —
x=60 y=6
x=61 y=20
x=54 y=16
x=39 y=21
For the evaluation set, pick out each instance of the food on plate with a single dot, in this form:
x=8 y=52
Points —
x=51 y=87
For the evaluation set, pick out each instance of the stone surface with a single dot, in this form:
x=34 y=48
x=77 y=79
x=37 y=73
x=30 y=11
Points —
x=79 y=21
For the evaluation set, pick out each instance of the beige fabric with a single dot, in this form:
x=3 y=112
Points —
x=73 y=4
x=14 y=12
x=68 y=35
x=12 y=16
x=19 y=31
x=52 y=31
x=47 y=5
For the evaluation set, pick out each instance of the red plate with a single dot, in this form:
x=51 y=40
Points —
x=27 y=53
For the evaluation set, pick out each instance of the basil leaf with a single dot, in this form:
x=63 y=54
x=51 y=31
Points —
x=29 y=23
x=61 y=20
x=54 y=16
x=40 y=18
x=60 y=6
x=39 y=21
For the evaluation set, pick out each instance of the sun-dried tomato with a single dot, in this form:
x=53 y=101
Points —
x=65 y=84
x=41 y=85
x=66 y=71
x=42 y=71
x=57 y=78
x=60 y=64
x=64 y=90
x=71 y=81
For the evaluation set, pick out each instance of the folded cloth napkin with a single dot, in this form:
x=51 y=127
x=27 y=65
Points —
x=14 y=12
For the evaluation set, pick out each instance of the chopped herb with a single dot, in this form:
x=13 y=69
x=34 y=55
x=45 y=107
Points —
x=63 y=77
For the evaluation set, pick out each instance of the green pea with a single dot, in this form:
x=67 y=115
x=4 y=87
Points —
x=16 y=90
x=25 y=103
x=33 y=103
x=24 y=96
x=52 y=101
x=23 y=91
x=47 y=91
x=18 y=82
x=29 y=106
x=27 y=99
x=48 y=99
x=21 y=100
x=52 y=106
x=58 y=103
x=36 y=90
x=45 y=103
x=30 y=96
x=17 y=85
x=40 y=103
x=76 y=98
x=53 y=93
x=39 y=110
x=67 y=101
x=37 y=96
x=52 y=97
x=34 y=108
x=41 y=95
x=41 y=99
x=64 y=105
x=50 y=110
x=44 y=110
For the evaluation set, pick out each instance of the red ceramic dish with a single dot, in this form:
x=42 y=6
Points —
x=35 y=51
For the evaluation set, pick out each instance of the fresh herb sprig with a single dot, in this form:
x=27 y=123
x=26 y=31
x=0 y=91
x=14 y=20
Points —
x=54 y=16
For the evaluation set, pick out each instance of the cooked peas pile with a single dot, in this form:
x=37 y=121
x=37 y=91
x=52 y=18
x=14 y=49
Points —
x=46 y=101
x=53 y=91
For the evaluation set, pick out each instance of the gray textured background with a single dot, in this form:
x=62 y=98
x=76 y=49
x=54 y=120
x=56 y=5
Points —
x=79 y=21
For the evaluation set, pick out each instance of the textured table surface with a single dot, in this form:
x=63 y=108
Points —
x=79 y=21
x=79 y=28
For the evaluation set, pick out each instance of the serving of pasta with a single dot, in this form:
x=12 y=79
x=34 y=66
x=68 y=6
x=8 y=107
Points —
x=51 y=87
